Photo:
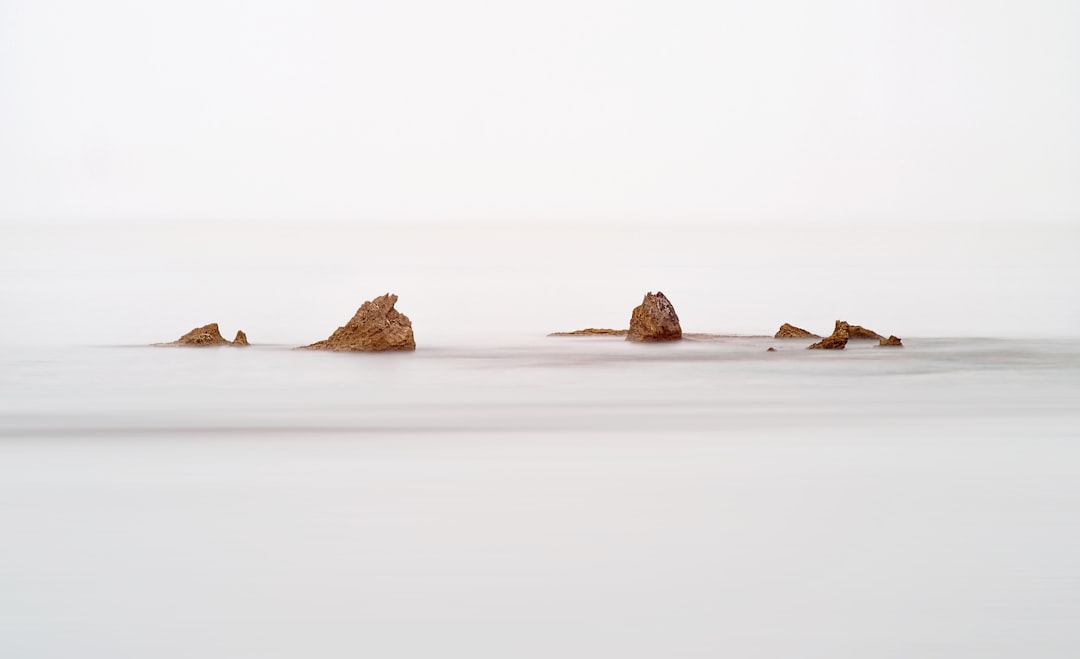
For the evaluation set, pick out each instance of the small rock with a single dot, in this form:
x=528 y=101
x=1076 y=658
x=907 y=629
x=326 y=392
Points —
x=207 y=335
x=654 y=320
x=241 y=339
x=789 y=331
x=592 y=331
x=857 y=332
x=771 y=349
x=892 y=342
x=835 y=341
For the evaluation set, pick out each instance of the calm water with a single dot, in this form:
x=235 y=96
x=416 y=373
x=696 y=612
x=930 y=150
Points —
x=570 y=497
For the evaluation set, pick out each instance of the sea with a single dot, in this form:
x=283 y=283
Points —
x=538 y=497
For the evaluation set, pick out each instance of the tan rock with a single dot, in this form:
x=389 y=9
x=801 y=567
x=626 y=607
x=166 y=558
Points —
x=375 y=327
x=788 y=331
x=857 y=332
x=835 y=341
x=891 y=342
x=654 y=320
x=592 y=331
x=207 y=335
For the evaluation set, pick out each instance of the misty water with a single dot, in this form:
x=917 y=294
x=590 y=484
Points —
x=574 y=497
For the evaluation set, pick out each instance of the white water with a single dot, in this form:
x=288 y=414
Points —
x=575 y=497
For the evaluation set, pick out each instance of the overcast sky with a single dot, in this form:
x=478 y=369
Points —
x=589 y=109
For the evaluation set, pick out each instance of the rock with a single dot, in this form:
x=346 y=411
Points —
x=376 y=327
x=788 y=331
x=892 y=342
x=207 y=335
x=654 y=320
x=857 y=332
x=835 y=341
x=592 y=331
x=771 y=349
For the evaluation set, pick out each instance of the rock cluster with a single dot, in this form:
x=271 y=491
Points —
x=789 y=331
x=654 y=320
x=835 y=341
x=208 y=335
x=375 y=327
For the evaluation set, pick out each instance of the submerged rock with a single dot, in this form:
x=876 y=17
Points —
x=654 y=320
x=241 y=339
x=375 y=327
x=891 y=342
x=789 y=331
x=771 y=349
x=835 y=341
x=592 y=331
x=207 y=335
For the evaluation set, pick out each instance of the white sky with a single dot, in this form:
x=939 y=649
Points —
x=911 y=166
x=585 y=110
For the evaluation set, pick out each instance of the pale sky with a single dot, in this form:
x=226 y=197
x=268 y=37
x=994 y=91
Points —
x=596 y=110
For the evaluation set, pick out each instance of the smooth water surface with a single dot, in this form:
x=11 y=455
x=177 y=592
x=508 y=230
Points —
x=573 y=497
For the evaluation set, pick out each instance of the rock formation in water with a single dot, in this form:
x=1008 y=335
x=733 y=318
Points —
x=376 y=327
x=891 y=342
x=771 y=349
x=788 y=331
x=835 y=341
x=592 y=331
x=654 y=320
x=241 y=339
x=857 y=332
x=207 y=335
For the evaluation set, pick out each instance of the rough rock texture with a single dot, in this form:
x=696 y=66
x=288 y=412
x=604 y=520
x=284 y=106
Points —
x=788 y=331
x=207 y=335
x=892 y=342
x=376 y=327
x=654 y=320
x=857 y=332
x=835 y=341
x=592 y=331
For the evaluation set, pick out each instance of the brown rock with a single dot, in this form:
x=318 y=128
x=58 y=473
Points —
x=592 y=331
x=835 y=341
x=207 y=335
x=376 y=327
x=788 y=331
x=892 y=342
x=771 y=349
x=654 y=320
x=857 y=332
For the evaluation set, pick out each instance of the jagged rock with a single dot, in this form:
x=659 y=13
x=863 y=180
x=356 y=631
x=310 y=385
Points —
x=892 y=342
x=857 y=332
x=592 y=331
x=788 y=331
x=375 y=327
x=241 y=339
x=835 y=341
x=207 y=335
x=654 y=320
